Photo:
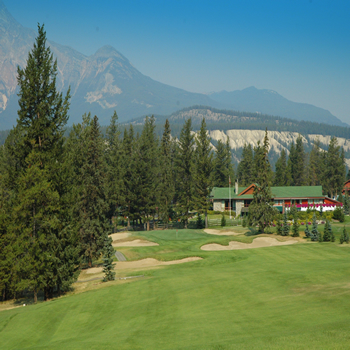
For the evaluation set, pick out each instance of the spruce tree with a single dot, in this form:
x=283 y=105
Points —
x=344 y=237
x=222 y=168
x=295 y=228
x=335 y=168
x=184 y=161
x=328 y=235
x=346 y=204
x=91 y=206
x=314 y=234
x=285 y=228
x=114 y=175
x=307 y=231
x=260 y=210
x=279 y=228
x=298 y=171
x=316 y=165
x=203 y=171
x=281 y=170
x=166 y=188
x=146 y=168
x=108 y=254
x=245 y=171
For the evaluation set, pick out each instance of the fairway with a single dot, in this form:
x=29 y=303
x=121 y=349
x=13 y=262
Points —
x=285 y=297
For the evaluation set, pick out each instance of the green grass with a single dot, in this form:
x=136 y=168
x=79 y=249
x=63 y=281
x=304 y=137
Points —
x=287 y=297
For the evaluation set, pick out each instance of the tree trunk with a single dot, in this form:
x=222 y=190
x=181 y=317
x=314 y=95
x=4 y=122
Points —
x=35 y=296
x=147 y=225
x=90 y=263
x=58 y=290
x=46 y=294
x=3 y=294
x=206 y=218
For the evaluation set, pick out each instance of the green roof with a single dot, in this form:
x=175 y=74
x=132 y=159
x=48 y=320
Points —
x=277 y=192
x=223 y=192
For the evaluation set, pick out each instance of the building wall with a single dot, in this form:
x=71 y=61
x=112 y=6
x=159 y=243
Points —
x=239 y=206
x=219 y=205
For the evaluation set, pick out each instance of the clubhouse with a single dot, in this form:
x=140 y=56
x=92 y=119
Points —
x=282 y=196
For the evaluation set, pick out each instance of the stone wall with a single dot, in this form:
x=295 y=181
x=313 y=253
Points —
x=218 y=206
x=239 y=206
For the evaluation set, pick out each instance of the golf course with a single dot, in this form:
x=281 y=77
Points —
x=294 y=295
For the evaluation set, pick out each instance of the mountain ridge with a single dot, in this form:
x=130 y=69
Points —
x=104 y=82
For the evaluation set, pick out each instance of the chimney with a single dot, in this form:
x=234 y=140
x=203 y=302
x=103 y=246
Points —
x=236 y=187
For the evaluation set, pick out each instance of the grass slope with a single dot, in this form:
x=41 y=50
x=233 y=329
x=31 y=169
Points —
x=290 y=297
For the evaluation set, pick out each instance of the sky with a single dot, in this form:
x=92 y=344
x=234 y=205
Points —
x=299 y=48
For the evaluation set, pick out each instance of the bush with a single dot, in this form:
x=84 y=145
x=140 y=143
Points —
x=328 y=235
x=338 y=214
x=199 y=222
x=295 y=229
x=244 y=222
x=223 y=220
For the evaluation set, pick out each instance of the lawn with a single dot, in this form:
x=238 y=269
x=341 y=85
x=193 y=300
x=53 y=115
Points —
x=287 y=297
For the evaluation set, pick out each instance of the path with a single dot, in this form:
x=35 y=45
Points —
x=120 y=256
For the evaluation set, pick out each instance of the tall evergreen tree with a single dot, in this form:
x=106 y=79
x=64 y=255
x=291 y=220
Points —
x=108 y=254
x=281 y=170
x=114 y=175
x=166 y=189
x=292 y=159
x=246 y=166
x=223 y=169
x=91 y=206
x=203 y=171
x=184 y=162
x=298 y=170
x=147 y=171
x=335 y=168
x=316 y=165
x=261 y=210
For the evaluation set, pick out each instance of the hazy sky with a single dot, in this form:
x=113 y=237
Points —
x=301 y=49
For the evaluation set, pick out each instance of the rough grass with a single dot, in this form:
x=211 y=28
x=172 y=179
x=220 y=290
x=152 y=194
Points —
x=288 y=297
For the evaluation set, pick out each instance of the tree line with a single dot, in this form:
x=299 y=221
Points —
x=296 y=167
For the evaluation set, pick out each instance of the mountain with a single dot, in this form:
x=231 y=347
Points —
x=100 y=83
x=270 y=102
x=107 y=81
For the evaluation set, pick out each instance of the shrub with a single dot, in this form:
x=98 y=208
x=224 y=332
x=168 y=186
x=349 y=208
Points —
x=295 y=229
x=223 y=220
x=344 y=238
x=328 y=235
x=279 y=228
x=314 y=234
x=285 y=227
x=199 y=222
x=338 y=214
x=307 y=231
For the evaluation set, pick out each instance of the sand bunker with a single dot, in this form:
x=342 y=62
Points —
x=149 y=262
x=134 y=243
x=259 y=242
x=119 y=236
x=222 y=232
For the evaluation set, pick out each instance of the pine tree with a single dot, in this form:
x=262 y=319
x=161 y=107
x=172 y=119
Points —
x=328 y=235
x=260 y=210
x=281 y=170
x=295 y=228
x=291 y=164
x=91 y=206
x=108 y=253
x=346 y=204
x=222 y=168
x=307 y=231
x=285 y=228
x=114 y=175
x=279 y=228
x=203 y=171
x=298 y=170
x=223 y=220
x=344 y=238
x=37 y=151
x=129 y=191
x=166 y=187
x=335 y=168
x=314 y=234
x=246 y=166
x=316 y=165
x=185 y=170
x=146 y=169
x=199 y=222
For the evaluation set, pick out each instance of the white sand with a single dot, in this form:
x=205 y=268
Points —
x=149 y=262
x=259 y=242
x=135 y=243
x=222 y=232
